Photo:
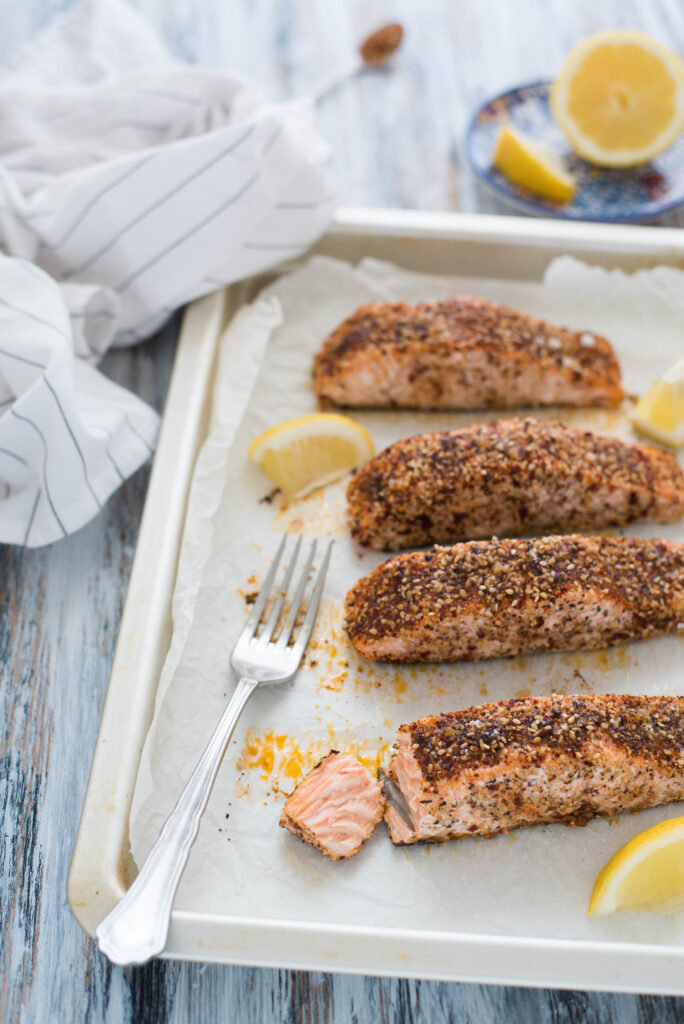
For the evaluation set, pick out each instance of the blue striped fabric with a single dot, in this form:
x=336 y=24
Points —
x=129 y=185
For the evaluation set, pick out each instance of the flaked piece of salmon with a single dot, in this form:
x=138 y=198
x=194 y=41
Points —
x=488 y=599
x=535 y=760
x=508 y=477
x=335 y=807
x=463 y=353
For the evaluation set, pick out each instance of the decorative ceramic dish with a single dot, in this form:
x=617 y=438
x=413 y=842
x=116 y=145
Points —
x=603 y=194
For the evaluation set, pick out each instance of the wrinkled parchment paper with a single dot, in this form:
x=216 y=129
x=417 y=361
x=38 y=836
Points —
x=535 y=881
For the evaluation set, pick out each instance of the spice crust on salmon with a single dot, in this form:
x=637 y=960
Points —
x=462 y=353
x=509 y=477
x=536 y=760
x=488 y=599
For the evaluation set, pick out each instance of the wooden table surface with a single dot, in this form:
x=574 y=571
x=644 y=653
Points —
x=396 y=139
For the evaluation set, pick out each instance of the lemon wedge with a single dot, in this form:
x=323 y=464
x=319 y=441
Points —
x=311 y=451
x=531 y=165
x=647 y=873
x=619 y=98
x=660 y=413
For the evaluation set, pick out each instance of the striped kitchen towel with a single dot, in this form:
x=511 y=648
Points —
x=129 y=185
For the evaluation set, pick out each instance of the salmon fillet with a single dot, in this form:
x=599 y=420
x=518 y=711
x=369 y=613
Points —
x=335 y=807
x=463 y=353
x=487 y=599
x=535 y=760
x=512 y=476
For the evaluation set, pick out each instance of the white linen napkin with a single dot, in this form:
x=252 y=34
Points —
x=135 y=184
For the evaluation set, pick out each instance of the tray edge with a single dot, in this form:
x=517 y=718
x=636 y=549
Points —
x=98 y=874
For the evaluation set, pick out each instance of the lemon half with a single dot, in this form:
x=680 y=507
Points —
x=660 y=412
x=647 y=873
x=528 y=163
x=311 y=451
x=619 y=98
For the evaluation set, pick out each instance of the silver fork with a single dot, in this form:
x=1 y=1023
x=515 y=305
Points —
x=137 y=927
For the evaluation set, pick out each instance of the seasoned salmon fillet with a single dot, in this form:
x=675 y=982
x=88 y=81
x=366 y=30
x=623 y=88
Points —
x=512 y=476
x=487 y=599
x=462 y=353
x=535 y=760
x=336 y=806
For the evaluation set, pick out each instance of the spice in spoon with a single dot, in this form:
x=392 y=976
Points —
x=377 y=49
x=375 y=52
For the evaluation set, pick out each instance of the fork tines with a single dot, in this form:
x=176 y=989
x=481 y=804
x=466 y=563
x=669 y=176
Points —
x=278 y=592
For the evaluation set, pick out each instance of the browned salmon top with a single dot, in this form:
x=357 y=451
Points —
x=511 y=476
x=486 y=599
x=462 y=353
x=520 y=762
x=488 y=734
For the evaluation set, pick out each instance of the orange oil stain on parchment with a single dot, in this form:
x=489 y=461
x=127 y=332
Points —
x=572 y=671
x=337 y=665
x=283 y=760
x=611 y=659
x=604 y=663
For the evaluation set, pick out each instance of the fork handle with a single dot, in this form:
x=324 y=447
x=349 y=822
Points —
x=137 y=927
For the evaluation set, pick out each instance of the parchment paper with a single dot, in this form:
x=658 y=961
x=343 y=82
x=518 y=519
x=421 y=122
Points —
x=535 y=881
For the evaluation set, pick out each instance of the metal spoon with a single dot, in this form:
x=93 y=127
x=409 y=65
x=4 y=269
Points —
x=375 y=51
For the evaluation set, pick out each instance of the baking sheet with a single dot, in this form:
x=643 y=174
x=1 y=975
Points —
x=533 y=882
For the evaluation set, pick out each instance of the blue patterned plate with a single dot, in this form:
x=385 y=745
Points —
x=638 y=193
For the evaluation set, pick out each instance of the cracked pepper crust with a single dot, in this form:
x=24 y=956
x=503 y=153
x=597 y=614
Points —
x=463 y=353
x=536 y=760
x=508 y=477
x=487 y=599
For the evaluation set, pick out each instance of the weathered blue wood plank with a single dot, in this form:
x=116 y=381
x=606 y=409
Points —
x=397 y=142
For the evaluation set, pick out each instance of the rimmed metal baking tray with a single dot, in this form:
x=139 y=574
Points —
x=102 y=868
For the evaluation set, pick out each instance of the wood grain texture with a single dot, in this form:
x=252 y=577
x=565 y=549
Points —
x=396 y=140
